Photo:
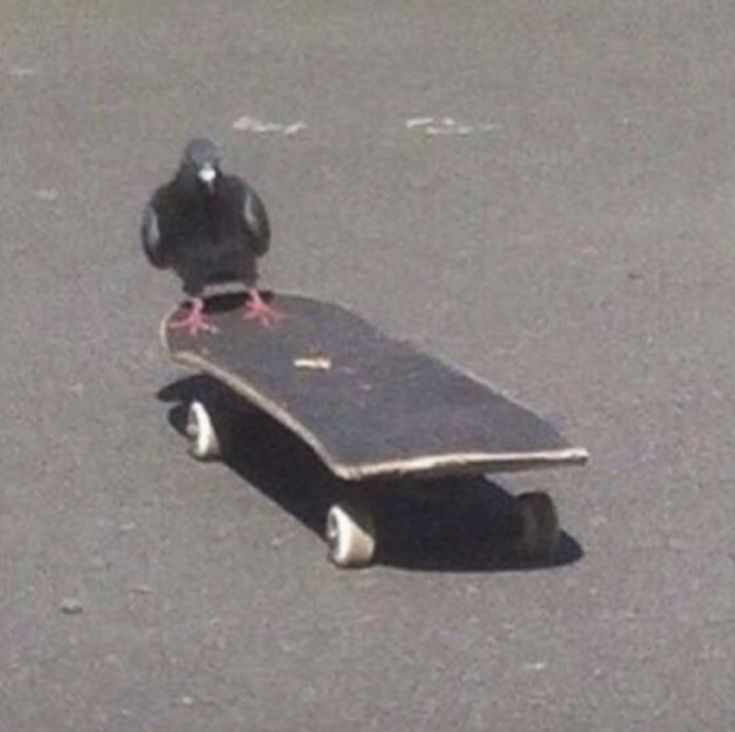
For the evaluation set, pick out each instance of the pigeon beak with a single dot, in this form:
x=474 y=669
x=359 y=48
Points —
x=206 y=175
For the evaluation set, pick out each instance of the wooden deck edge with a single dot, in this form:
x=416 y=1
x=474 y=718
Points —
x=470 y=463
x=429 y=465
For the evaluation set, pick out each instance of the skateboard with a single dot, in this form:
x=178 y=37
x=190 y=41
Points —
x=371 y=406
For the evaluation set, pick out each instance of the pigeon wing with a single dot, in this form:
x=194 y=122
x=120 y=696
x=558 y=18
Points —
x=255 y=221
x=150 y=233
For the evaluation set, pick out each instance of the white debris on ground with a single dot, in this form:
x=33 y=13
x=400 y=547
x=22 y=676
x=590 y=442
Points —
x=537 y=666
x=446 y=126
x=251 y=124
x=21 y=71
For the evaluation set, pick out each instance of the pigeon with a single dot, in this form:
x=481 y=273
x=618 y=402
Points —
x=208 y=227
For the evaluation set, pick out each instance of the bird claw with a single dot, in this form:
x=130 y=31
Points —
x=195 y=322
x=258 y=309
x=267 y=318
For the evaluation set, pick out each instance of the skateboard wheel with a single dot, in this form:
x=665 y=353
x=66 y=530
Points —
x=539 y=526
x=350 y=535
x=205 y=443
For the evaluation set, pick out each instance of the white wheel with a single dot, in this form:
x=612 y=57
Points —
x=205 y=442
x=350 y=535
x=539 y=536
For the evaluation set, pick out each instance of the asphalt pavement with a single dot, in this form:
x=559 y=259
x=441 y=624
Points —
x=542 y=192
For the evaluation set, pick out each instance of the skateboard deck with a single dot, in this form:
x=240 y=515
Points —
x=369 y=404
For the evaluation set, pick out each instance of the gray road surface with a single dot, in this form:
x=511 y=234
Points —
x=568 y=234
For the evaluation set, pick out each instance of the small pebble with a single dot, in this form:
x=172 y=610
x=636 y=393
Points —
x=71 y=606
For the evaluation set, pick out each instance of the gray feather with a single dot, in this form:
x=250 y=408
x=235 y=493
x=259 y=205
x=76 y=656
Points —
x=256 y=221
x=151 y=236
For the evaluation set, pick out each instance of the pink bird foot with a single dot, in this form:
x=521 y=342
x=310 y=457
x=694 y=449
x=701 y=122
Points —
x=195 y=321
x=256 y=308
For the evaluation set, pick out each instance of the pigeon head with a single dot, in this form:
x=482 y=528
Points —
x=201 y=160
